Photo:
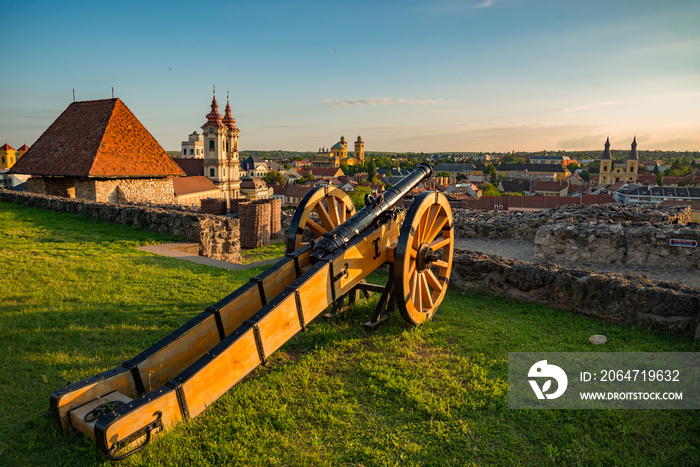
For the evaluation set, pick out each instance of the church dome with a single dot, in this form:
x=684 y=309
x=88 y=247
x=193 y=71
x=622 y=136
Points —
x=338 y=146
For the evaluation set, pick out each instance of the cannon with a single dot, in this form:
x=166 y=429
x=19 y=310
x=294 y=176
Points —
x=330 y=250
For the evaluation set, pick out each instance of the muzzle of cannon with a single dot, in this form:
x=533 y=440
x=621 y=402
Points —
x=330 y=250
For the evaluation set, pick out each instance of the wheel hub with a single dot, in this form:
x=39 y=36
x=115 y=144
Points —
x=425 y=257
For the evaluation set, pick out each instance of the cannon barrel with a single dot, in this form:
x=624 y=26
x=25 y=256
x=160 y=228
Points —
x=366 y=216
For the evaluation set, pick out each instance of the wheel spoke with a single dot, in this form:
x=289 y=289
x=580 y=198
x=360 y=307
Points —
x=411 y=268
x=325 y=217
x=333 y=210
x=315 y=228
x=437 y=244
x=425 y=291
x=440 y=263
x=437 y=227
x=412 y=253
x=417 y=299
x=432 y=216
x=432 y=280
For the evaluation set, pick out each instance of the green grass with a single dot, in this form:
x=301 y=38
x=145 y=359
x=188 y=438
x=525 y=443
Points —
x=79 y=299
x=262 y=253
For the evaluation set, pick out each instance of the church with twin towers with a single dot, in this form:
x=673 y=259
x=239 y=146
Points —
x=220 y=151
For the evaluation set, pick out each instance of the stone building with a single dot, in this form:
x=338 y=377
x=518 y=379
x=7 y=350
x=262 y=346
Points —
x=99 y=151
x=193 y=147
x=610 y=172
x=221 y=150
x=338 y=154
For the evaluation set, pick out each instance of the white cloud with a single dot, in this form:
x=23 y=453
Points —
x=592 y=105
x=379 y=101
x=441 y=6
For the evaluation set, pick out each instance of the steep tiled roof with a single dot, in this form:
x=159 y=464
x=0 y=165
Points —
x=190 y=165
x=99 y=138
x=6 y=147
x=548 y=168
x=541 y=185
x=446 y=167
x=188 y=185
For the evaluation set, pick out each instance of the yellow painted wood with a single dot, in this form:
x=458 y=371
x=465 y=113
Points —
x=77 y=415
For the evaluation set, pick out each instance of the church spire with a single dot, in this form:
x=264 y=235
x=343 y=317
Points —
x=606 y=153
x=228 y=120
x=633 y=152
x=214 y=117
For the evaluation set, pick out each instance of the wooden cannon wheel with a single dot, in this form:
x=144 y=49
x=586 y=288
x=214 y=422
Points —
x=423 y=257
x=333 y=207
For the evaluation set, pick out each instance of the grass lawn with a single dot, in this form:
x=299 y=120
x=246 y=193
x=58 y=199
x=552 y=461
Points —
x=77 y=299
x=271 y=251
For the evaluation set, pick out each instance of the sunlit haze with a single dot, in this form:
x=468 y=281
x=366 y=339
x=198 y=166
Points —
x=420 y=76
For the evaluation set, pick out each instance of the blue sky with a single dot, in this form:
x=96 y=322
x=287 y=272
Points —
x=443 y=75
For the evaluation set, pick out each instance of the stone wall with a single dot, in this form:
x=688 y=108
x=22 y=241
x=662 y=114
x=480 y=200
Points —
x=218 y=236
x=142 y=190
x=626 y=243
x=523 y=225
x=625 y=299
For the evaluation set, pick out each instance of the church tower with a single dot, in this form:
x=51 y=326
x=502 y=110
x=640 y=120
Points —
x=606 y=165
x=220 y=145
x=360 y=151
x=232 y=152
x=633 y=163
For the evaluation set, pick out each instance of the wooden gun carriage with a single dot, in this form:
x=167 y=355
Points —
x=177 y=378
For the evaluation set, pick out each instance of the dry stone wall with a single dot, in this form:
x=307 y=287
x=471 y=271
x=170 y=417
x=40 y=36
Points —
x=523 y=225
x=218 y=236
x=635 y=244
x=607 y=234
x=625 y=299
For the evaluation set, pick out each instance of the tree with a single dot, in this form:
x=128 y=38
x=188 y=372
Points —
x=489 y=189
x=372 y=171
x=660 y=179
x=443 y=174
x=585 y=175
x=273 y=177
x=358 y=196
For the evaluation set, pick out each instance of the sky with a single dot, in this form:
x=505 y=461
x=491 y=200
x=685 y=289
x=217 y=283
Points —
x=406 y=75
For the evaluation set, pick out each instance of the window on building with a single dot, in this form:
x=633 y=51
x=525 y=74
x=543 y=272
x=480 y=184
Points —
x=223 y=174
x=3 y=159
x=212 y=172
x=184 y=152
x=211 y=145
x=191 y=152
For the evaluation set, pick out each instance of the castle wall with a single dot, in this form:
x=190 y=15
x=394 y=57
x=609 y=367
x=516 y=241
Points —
x=667 y=307
x=140 y=190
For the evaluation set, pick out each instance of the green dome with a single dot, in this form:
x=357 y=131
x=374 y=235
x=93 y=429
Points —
x=338 y=146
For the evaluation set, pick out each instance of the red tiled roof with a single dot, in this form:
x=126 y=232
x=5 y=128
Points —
x=616 y=186
x=24 y=147
x=6 y=147
x=541 y=185
x=99 y=138
x=190 y=165
x=298 y=191
x=189 y=185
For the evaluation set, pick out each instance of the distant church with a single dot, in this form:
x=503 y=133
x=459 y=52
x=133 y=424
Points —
x=338 y=154
x=623 y=172
x=220 y=140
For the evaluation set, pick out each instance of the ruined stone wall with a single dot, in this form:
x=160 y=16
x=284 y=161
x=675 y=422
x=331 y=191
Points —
x=624 y=299
x=218 y=236
x=523 y=225
x=143 y=191
x=626 y=243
